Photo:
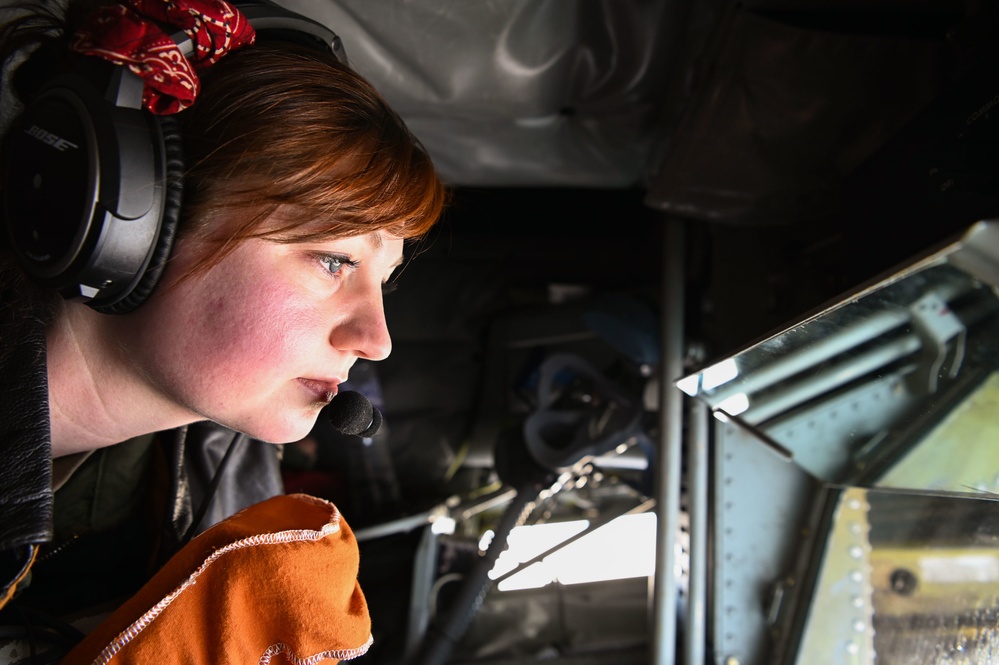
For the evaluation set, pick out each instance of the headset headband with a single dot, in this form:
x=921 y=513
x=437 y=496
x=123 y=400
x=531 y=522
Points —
x=278 y=23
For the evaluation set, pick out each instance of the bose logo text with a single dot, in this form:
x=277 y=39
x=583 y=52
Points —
x=51 y=139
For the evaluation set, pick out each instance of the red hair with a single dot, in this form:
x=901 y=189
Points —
x=306 y=147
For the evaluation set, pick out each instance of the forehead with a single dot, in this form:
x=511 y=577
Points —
x=384 y=247
x=382 y=241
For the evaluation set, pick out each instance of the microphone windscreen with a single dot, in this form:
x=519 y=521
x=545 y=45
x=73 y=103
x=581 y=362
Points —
x=350 y=412
x=376 y=422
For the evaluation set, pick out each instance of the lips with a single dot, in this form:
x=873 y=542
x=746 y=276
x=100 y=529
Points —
x=324 y=391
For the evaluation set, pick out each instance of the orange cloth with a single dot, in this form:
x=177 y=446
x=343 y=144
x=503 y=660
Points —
x=274 y=584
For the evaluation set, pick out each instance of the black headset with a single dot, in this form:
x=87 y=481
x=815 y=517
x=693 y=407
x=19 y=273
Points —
x=93 y=182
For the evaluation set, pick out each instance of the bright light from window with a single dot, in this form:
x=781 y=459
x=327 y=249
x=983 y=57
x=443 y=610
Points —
x=734 y=405
x=442 y=525
x=688 y=384
x=709 y=378
x=622 y=548
x=718 y=374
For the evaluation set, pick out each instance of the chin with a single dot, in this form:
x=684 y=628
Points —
x=288 y=431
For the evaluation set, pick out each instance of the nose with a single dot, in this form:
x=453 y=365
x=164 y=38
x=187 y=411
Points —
x=364 y=332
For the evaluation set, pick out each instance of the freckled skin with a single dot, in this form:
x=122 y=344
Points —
x=254 y=343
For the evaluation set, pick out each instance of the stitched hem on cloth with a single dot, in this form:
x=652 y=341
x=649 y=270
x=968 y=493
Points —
x=335 y=654
x=280 y=537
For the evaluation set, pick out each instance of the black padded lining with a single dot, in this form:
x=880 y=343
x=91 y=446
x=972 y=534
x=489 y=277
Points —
x=173 y=193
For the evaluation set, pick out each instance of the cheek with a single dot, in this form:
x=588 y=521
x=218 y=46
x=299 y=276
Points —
x=220 y=336
x=252 y=330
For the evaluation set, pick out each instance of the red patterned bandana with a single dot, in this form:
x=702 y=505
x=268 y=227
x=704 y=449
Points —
x=130 y=34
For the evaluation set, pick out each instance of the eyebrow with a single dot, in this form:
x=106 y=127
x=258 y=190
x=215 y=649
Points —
x=375 y=239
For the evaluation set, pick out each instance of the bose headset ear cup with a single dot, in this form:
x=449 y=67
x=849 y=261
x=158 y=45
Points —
x=173 y=195
x=83 y=191
x=93 y=185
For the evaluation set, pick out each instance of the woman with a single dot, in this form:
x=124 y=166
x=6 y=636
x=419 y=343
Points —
x=301 y=188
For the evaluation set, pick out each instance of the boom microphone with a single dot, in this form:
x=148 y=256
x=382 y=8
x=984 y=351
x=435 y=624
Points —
x=351 y=413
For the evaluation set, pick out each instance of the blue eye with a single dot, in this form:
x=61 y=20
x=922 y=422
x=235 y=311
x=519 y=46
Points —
x=334 y=263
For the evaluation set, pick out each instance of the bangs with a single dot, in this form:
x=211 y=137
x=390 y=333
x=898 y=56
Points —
x=376 y=182
x=307 y=149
